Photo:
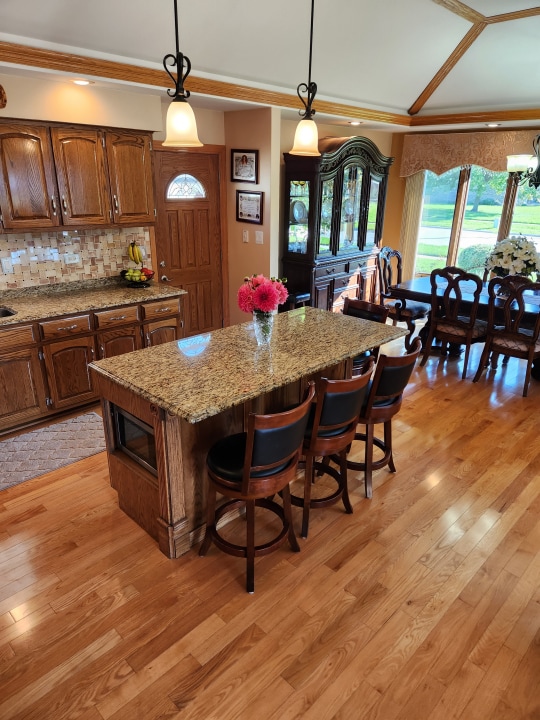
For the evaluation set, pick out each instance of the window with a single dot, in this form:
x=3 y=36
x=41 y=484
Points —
x=464 y=211
x=185 y=187
x=526 y=216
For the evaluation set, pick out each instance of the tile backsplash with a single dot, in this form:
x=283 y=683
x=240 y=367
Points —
x=46 y=258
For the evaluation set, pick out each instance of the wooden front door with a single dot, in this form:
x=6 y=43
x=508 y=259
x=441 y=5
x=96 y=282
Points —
x=189 y=234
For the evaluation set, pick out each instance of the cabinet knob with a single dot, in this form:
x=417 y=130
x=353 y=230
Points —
x=53 y=203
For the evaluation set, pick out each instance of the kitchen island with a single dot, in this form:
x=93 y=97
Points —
x=163 y=407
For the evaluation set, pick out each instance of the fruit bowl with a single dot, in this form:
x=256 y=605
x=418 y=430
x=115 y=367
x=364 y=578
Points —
x=139 y=280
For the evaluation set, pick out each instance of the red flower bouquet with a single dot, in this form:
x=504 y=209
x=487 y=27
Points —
x=261 y=294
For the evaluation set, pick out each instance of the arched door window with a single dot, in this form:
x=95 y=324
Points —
x=185 y=187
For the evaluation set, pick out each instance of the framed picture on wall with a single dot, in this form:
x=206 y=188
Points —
x=245 y=166
x=249 y=206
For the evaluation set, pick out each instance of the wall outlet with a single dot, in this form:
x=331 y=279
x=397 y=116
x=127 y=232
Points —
x=7 y=265
x=245 y=236
x=71 y=258
x=259 y=237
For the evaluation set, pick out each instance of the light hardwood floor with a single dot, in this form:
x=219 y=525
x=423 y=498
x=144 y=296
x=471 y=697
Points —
x=423 y=604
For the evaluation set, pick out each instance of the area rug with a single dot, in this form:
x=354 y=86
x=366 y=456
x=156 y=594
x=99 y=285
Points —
x=46 y=449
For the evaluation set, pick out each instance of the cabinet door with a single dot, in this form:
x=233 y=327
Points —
x=67 y=370
x=130 y=172
x=28 y=194
x=22 y=388
x=120 y=341
x=82 y=178
x=161 y=331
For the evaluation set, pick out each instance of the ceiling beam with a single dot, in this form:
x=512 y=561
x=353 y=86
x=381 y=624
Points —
x=516 y=15
x=455 y=56
x=459 y=8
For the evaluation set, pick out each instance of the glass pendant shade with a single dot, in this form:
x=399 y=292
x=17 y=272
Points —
x=181 y=127
x=521 y=163
x=306 y=139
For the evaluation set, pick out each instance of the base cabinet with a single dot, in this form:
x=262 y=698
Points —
x=119 y=341
x=161 y=331
x=67 y=362
x=22 y=387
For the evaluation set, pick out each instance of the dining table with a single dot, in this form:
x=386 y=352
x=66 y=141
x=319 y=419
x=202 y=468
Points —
x=419 y=289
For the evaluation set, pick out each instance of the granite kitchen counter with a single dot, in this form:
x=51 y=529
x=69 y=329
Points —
x=201 y=376
x=49 y=301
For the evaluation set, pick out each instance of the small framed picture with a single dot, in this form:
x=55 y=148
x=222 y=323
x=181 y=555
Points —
x=245 y=166
x=249 y=206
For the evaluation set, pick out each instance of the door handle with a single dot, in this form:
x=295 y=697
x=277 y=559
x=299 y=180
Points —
x=164 y=278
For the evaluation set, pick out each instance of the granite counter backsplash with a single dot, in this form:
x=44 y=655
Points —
x=47 y=301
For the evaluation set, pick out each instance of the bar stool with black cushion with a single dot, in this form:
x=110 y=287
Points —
x=330 y=431
x=507 y=333
x=367 y=311
x=390 y=266
x=248 y=469
x=383 y=402
x=296 y=300
x=455 y=298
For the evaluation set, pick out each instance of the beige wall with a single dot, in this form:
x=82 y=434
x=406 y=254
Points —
x=251 y=130
x=395 y=197
x=62 y=101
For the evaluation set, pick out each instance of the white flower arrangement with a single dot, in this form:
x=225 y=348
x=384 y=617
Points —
x=515 y=255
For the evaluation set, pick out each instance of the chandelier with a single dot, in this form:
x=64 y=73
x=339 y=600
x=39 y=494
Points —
x=526 y=167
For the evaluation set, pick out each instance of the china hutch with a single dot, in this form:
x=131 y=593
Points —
x=334 y=211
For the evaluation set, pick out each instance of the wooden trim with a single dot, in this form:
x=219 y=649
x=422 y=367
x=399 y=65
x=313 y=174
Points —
x=456 y=55
x=459 y=214
x=459 y=8
x=477 y=117
x=517 y=15
x=508 y=206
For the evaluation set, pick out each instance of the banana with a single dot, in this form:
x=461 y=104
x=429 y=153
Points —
x=135 y=253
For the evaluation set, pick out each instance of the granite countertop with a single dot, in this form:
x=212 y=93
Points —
x=48 y=301
x=201 y=376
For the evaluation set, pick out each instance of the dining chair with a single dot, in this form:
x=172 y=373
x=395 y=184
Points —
x=367 y=311
x=455 y=297
x=248 y=469
x=383 y=402
x=390 y=266
x=330 y=431
x=508 y=332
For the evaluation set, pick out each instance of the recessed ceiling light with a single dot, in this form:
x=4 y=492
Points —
x=83 y=82
x=493 y=124
x=354 y=122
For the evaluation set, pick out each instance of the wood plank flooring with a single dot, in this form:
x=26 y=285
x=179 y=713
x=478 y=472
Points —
x=422 y=605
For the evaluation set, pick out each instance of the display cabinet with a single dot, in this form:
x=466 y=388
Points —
x=334 y=211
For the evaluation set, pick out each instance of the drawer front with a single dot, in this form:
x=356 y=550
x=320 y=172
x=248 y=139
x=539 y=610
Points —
x=155 y=310
x=65 y=327
x=14 y=337
x=331 y=270
x=120 y=316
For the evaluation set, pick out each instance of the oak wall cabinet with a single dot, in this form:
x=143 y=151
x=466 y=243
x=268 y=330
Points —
x=56 y=175
x=334 y=212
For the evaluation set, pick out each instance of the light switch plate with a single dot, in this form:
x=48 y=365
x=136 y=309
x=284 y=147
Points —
x=7 y=265
x=258 y=237
x=245 y=236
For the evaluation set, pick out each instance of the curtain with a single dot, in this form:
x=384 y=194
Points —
x=410 y=221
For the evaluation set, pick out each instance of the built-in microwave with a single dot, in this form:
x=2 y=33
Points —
x=135 y=438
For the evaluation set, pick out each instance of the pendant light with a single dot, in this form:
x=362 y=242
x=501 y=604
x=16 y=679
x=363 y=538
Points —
x=181 y=127
x=306 y=138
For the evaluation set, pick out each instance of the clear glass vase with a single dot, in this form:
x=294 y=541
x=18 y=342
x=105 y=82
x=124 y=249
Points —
x=263 y=322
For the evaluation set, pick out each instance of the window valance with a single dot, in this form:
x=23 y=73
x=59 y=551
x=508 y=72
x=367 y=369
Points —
x=440 y=152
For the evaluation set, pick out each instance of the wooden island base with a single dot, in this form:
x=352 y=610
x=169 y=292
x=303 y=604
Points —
x=171 y=506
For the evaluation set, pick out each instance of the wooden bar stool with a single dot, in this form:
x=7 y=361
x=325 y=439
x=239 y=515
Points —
x=331 y=430
x=249 y=468
x=384 y=399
